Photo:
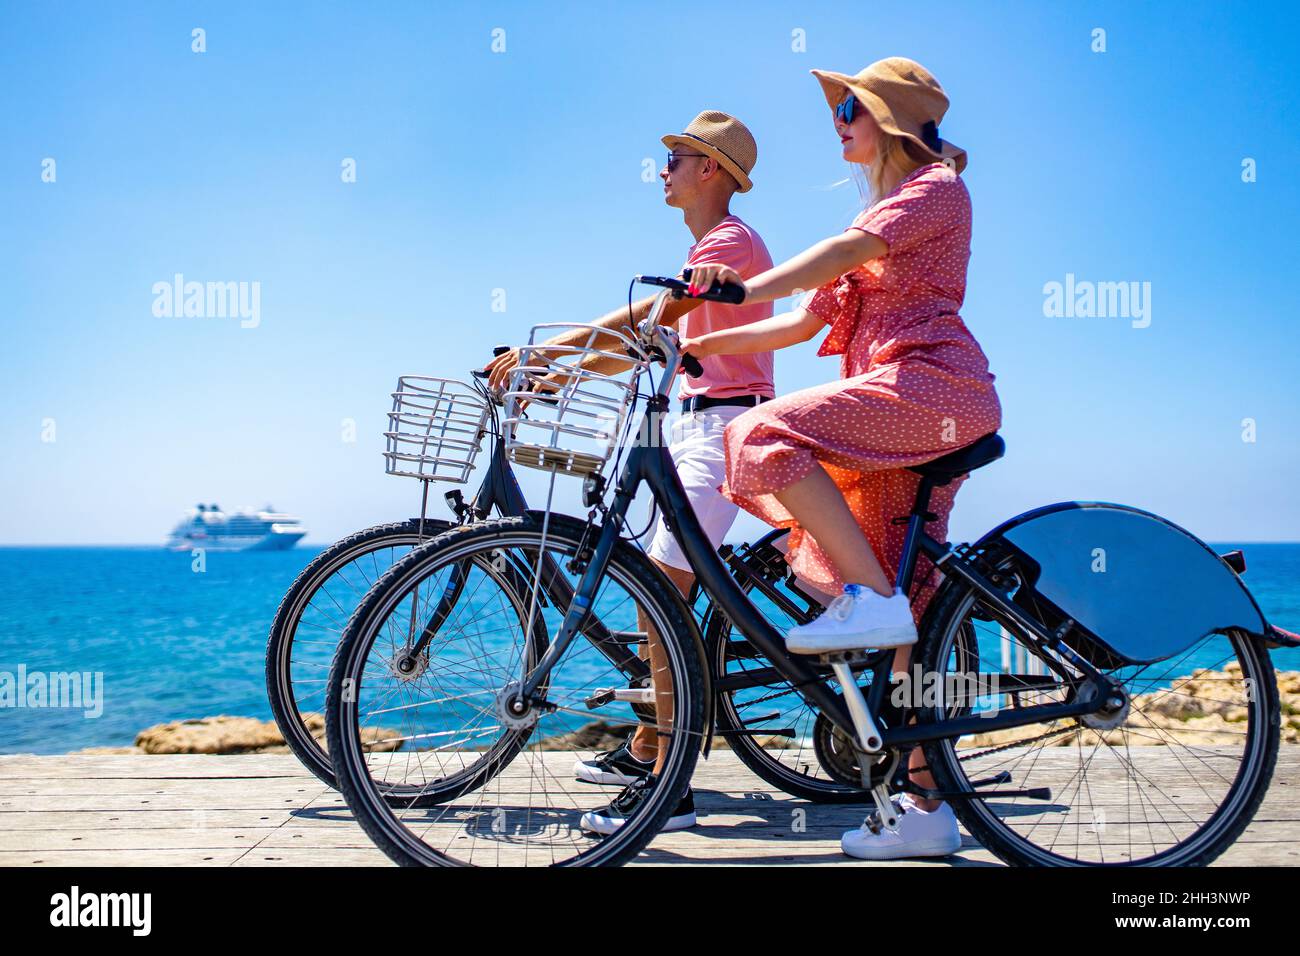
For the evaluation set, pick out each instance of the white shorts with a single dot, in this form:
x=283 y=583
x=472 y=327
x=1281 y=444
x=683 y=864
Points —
x=695 y=442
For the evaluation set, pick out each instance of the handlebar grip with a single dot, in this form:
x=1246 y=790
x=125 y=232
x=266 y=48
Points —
x=499 y=350
x=725 y=292
x=692 y=365
x=479 y=372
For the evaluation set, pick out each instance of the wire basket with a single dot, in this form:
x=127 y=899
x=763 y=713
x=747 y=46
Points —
x=435 y=429
x=561 y=416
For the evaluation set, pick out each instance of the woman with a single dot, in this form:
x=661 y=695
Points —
x=828 y=462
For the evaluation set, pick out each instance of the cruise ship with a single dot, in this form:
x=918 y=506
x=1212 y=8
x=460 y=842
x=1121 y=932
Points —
x=208 y=527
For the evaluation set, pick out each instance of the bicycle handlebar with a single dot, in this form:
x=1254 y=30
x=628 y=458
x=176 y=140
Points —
x=725 y=292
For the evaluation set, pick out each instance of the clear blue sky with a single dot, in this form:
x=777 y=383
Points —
x=522 y=170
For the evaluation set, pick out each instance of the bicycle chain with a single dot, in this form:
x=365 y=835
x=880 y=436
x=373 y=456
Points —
x=1018 y=743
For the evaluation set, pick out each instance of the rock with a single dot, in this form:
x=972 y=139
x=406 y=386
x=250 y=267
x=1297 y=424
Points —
x=231 y=735
x=210 y=735
x=597 y=735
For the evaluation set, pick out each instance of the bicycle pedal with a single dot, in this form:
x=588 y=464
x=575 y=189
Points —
x=629 y=695
x=628 y=637
x=845 y=657
x=600 y=698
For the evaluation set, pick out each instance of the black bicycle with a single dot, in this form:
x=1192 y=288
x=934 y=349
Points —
x=435 y=427
x=1048 y=668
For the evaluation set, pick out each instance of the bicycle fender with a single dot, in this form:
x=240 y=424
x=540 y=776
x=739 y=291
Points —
x=1135 y=584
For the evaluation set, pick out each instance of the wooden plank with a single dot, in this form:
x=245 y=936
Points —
x=265 y=810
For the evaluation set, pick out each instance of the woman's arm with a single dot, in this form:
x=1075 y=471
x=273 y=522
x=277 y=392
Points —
x=810 y=269
x=789 y=328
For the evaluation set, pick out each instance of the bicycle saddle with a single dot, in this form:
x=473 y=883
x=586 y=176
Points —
x=977 y=454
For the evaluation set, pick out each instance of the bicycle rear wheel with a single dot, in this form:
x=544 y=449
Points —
x=310 y=621
x=1171 y=780
x=516 y=802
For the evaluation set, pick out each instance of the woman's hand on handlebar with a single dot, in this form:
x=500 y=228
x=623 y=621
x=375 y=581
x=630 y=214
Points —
x=699 y=346
x=703 y=277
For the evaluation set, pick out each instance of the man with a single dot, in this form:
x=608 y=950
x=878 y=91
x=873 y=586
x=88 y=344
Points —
x=707 y=164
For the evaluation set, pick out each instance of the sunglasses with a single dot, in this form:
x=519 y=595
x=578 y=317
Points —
x=675 y=158
x=845 y=110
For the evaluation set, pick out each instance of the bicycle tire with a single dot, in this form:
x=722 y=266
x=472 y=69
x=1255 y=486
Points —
x=661 y=601
x=1220 y=832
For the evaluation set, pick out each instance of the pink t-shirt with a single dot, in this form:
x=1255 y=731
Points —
x=731 y=242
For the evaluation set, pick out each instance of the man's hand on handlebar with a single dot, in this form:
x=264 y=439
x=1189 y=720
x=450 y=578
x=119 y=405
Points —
x=506 y=361
x=499 y=369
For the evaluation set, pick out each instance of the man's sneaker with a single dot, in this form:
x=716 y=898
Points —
x=608 y=819
x=613 y=766
x=857 y=619
x=920 y=833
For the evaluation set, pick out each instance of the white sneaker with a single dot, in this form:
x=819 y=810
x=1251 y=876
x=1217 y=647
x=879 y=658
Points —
x=920 y=833
x=859 y=618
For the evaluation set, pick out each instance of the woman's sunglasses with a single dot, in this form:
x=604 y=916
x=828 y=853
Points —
x=845 y=110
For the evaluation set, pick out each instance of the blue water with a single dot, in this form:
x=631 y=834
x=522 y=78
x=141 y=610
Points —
x=172 y=643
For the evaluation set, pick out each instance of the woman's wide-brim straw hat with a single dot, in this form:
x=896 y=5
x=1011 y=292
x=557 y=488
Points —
x=724 y=138
x=903 y=98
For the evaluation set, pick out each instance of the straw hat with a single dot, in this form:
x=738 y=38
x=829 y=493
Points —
x=724 y=138
x=903 y=98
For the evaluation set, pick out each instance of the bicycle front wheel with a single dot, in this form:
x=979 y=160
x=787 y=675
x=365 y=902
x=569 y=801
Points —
x=1171 y=780
x=484 y=785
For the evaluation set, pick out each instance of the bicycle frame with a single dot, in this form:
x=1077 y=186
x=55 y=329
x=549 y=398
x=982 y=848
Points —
x=653 y=465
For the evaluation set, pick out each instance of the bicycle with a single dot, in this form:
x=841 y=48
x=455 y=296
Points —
x=1101 y=652
x=435 y=431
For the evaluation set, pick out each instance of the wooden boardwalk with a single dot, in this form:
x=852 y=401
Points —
x=265 y=810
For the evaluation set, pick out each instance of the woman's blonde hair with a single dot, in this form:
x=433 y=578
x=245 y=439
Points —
x=896 y=156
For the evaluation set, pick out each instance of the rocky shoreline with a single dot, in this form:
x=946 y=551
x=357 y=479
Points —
x=247 y=735
x=1198 y=713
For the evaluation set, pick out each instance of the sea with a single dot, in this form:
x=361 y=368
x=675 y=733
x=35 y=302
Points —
x=166 y=641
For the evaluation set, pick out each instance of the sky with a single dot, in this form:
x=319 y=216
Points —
x=501 y=146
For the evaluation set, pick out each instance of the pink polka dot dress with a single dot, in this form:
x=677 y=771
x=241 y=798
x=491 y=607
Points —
x=914 y=385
